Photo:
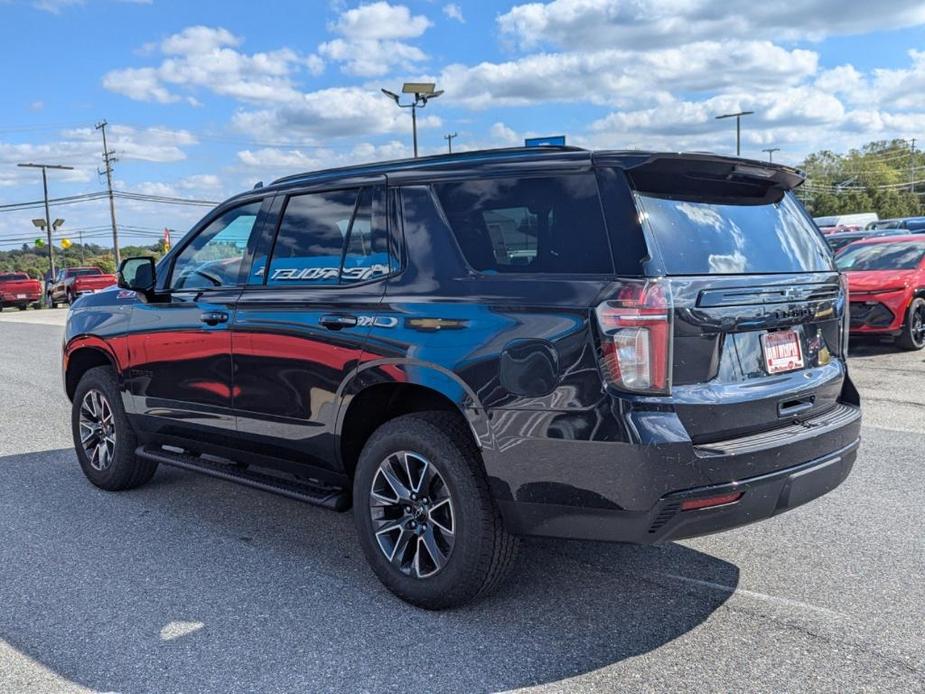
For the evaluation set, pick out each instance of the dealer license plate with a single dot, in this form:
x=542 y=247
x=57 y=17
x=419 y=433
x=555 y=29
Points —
x=782 y=351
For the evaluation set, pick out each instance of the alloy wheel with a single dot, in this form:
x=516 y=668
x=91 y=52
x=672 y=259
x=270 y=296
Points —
x=97 y=429
x=412 y=514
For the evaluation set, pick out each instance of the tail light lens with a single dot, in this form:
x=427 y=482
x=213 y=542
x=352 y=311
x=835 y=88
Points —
x=636 y=338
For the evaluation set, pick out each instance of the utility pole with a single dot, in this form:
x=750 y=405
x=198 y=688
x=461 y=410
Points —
x=770 y=151
x=108 y=160
x=44 y=168
x=912 y=168
x=449 y=140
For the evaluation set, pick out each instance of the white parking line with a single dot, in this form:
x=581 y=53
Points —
x=759 y=596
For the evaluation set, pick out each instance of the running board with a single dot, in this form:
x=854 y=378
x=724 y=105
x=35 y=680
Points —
x=333 y=498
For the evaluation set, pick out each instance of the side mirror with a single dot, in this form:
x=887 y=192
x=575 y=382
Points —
x=137 y=274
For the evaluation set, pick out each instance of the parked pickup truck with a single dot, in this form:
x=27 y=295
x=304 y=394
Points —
x=72 y=282
x=19 y=290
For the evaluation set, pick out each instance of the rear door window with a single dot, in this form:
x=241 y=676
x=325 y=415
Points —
x=725 y=237
x=330 y=238
x=547 y=224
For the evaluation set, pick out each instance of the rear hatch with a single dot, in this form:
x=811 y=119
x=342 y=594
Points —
x=756 y=305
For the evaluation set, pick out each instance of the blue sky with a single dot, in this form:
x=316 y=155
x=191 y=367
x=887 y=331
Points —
x=204 y=98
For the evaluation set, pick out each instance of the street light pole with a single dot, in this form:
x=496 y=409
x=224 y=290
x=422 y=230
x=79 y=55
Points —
x=449 y=140
x=423 y=92
x=44 y=168
x=770 y=151
x=738 y=117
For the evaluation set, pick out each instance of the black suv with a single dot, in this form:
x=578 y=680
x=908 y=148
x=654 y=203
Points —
x=623 y=346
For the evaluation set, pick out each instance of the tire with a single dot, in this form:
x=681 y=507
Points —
x=23 y=307
x=912 y=336
x=51 y=302
x=70 y=299
x=111 y=467
x=479 y=552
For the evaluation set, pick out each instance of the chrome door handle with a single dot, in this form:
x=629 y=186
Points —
x=338 y=321
x=214 y=317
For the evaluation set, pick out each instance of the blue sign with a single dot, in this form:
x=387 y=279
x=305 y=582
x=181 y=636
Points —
x=552 y=140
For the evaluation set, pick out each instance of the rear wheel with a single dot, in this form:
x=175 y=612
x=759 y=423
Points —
x=425 y=519
x=23 y=307
x=103 y=437
x=912 y=336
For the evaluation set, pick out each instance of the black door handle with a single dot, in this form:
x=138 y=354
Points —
x=337 y=321
x=214 y=317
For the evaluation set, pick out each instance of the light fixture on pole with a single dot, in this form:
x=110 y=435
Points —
x=738 y=117
x=423 y=92
x=47 y=220
x=770 y=151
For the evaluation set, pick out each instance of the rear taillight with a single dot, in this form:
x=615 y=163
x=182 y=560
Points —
x=636 y=338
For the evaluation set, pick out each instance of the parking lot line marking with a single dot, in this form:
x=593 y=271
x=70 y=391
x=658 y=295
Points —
x=759 y=596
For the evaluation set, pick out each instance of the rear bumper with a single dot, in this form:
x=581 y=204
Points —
x=763 y=495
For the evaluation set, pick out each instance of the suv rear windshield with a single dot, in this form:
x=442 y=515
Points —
x=726 y=238
x=550 y=224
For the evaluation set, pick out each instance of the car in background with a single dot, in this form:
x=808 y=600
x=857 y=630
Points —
x=74 y=282
x=858 y=219
x=886 y=287
x=19 y=290
x=913 y=224
x=841 y=239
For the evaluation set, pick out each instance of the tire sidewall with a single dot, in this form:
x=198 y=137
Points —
x=410 y=434
x=907 y=339
x=123 y=462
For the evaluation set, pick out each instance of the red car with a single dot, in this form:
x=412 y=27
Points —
x=19 y=290
x=886 y=287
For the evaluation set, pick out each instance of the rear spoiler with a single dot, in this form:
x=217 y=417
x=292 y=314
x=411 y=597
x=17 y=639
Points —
x=643 y=165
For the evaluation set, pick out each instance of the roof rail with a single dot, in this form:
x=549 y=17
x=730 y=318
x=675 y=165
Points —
x=432 y=159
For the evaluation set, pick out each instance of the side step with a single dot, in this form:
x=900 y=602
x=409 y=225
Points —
x=333 y=498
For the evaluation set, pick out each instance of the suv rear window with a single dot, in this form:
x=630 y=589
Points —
x=701 y=237
x=531 y=225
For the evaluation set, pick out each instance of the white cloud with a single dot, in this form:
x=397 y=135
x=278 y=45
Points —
x=618 y=76
x=202 y=57
x=379 y=21
x=507 y=136
x=454 y=11
x=370 y=57
x=369 y=44
x=335 y=112
x=648 y=23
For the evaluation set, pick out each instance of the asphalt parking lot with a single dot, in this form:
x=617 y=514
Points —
x=191 y=584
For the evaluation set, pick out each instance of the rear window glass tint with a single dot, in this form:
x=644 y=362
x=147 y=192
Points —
x=529 y=225
x=698 y=238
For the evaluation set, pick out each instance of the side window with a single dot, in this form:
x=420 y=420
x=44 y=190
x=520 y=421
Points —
x=214 y=257
x=330 y=238
x=548 y=224
x=366 y=255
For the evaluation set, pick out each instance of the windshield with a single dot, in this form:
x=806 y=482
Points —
x=84 y=272
x=13 y=277
x=901 y=255
x=698 y=238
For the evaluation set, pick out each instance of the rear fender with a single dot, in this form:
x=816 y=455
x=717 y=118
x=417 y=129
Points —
x=413 y=372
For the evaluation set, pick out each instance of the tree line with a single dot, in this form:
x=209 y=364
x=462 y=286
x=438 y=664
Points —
x=884 y=176
x=33 y=260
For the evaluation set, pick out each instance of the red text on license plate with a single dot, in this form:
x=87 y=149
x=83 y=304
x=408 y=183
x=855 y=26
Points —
x=782 y=351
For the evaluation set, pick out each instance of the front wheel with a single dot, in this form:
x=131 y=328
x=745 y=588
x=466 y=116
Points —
x=425 y=518
x=912 y=336
x=103 y=437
